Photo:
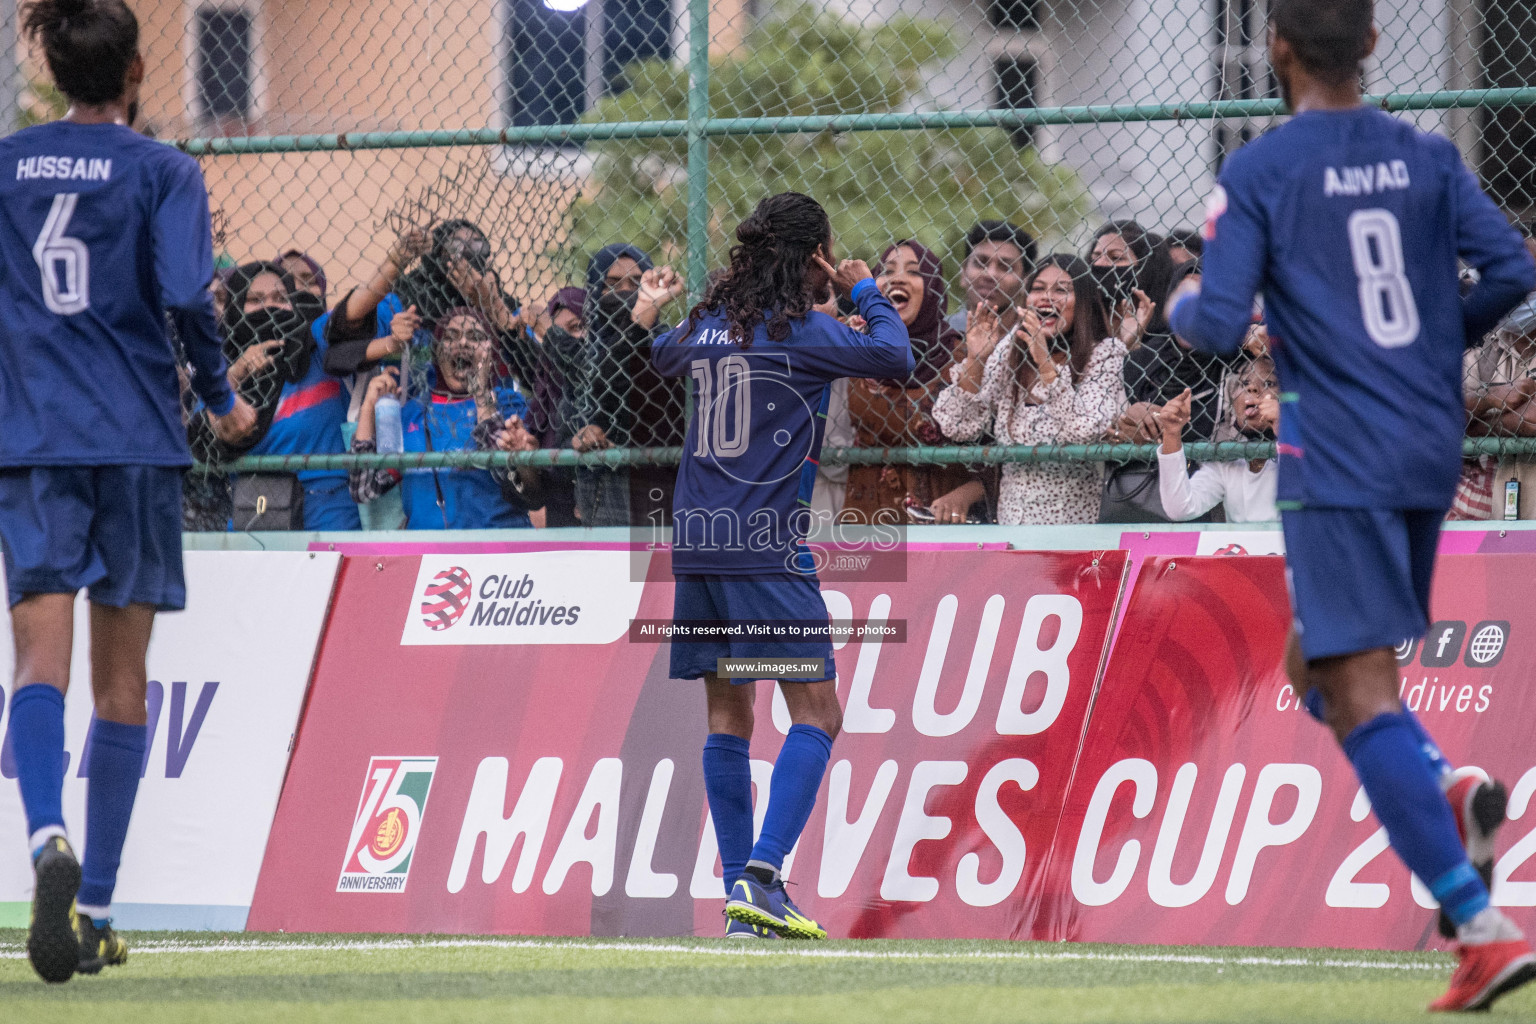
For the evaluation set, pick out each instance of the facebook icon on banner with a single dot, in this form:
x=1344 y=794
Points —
x=1442 y=644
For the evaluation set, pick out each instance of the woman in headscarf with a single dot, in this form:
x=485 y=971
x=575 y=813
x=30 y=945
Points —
x=552 y=417
x=1131 y=266
x=898 y=414
x=269 y=346
x=456 y=272
x=308 y=275
x=622 y=401
x=466 y=410
x=310 y=413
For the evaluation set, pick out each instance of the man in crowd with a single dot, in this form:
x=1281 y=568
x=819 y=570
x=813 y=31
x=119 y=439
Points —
x=998 y=256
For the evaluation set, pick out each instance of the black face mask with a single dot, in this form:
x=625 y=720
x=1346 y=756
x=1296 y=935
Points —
x=1115 y=284
x=273 y=323
x=561 y=340
x=615 y=304
x=308 y=305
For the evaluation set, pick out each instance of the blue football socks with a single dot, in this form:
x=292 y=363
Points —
x=1438 y=765
x=116 y=753
x=792 y=794
x=36 y=735
x=1389 y=759
x=728 y=785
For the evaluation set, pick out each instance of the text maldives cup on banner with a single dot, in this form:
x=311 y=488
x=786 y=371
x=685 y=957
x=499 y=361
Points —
x=567 y=798
x=1209 y=807
x=546 y=597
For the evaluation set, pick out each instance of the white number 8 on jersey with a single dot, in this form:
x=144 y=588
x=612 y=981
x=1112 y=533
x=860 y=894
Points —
x=1386 y=300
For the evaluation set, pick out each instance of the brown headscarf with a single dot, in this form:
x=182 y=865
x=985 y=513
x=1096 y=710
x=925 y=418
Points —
x=905 y=418
x=933 y=340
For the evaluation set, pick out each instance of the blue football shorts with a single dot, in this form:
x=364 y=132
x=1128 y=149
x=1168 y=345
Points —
x=1359 y=577
x=783 y=597
x=115 y=530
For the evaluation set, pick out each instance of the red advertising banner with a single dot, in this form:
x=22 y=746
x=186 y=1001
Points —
x=487 y=749
x=1207 y=808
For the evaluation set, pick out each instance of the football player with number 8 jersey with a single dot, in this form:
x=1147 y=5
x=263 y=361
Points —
x=762 y=361
x=104 y=234
x=1351 y=223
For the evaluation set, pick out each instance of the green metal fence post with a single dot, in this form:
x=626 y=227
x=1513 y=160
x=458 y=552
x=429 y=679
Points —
x=698 y=145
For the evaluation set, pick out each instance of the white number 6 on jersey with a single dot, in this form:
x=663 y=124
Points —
x=54 y=251
x=1386 y=300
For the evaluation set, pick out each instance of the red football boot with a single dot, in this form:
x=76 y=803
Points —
x=1486 y=971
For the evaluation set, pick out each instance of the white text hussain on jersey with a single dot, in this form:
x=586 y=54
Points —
x=73 y=168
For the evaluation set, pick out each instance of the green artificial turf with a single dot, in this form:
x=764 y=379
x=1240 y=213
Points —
x=172 y=978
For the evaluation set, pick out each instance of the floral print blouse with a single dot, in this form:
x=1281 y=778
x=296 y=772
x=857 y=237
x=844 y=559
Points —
x=1067 y=411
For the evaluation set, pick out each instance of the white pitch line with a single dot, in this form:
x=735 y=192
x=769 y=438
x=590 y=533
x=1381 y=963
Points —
x=15 y=953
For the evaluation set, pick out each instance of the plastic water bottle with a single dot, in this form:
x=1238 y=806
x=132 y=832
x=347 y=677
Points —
x=389 y=436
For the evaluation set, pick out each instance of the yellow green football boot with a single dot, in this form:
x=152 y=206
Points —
x=99 y=947
x=51 y=944
x=769 y=906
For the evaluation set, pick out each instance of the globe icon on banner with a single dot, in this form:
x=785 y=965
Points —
x=446 y=597
x=1486 y=644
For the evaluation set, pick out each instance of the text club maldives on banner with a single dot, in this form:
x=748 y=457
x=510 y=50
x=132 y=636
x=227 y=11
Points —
x=1207 y=808
x=495 y=779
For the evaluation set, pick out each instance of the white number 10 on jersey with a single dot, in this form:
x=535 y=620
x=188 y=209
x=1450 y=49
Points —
x=1386 y=300
x=724 y=418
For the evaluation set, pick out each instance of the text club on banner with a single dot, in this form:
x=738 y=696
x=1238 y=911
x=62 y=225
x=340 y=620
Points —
x=227 y=681
x=1209 y=808
x=555 y=788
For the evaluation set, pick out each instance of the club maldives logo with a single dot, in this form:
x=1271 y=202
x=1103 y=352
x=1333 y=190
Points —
x=387 y=824
x=446 y=597
x=536 y=597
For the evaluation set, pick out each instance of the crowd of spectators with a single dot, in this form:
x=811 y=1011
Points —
x=431 y=354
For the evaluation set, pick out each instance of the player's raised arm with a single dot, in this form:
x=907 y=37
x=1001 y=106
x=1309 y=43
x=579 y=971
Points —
x=886 y=351
x=183 y=244
x=1214 y=315
x=1506 y=273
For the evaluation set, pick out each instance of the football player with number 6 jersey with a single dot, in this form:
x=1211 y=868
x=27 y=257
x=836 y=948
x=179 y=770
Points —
x=104 y=234
x=1351 y=223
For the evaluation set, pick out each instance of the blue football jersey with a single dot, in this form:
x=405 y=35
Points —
x=102 y=233
x=759 y=416
x=1350 y=224
x=472 y=499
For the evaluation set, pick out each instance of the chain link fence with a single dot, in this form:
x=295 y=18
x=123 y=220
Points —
x=480 y=195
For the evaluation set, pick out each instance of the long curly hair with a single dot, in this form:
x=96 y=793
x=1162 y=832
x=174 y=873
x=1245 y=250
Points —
x=772 y=276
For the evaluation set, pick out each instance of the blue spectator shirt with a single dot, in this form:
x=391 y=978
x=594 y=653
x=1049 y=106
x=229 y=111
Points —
x=1350 y=224
x=103 y=232
x=743 y=492
x=472 y=498
x=310 y=416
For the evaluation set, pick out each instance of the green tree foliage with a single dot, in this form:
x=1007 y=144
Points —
x=40 y=103
x=877 y=186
